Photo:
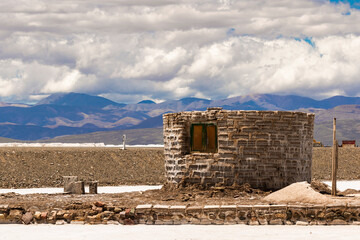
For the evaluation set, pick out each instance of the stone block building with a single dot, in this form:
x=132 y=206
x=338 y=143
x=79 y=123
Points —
x=267 y=149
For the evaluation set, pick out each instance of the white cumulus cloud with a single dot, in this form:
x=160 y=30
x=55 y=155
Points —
x=134 y=50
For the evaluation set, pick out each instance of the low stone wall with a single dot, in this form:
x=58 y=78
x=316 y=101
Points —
x=99 y=213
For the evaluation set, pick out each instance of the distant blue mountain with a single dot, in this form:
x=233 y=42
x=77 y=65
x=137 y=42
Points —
x=30 y=132
x=188 y=101
x=338 y=101
x=146 y=102
x=78 y=100
x=75 y=113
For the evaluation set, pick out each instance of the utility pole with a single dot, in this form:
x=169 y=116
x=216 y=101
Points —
x=334 y=160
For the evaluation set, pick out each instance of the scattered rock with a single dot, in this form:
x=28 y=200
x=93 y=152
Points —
x=320 y=187
x=27 y=218
x=99 y=204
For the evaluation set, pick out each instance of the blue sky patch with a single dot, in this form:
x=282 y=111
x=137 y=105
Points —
x=230 y=31
x=306 y=39
x=352 y=3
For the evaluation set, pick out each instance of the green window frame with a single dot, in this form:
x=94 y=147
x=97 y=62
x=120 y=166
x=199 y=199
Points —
x=203 y=137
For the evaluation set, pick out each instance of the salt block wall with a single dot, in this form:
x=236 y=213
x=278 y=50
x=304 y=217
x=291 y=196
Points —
x=267 y=149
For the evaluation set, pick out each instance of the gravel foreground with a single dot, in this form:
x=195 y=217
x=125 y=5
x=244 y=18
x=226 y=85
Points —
x=44 y=167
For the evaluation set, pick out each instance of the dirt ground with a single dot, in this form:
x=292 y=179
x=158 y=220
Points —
x=166 y=196
x=44 y=167
x=297 y=193
x=349 y=163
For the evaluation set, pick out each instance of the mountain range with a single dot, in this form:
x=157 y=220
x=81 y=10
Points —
x=71 y=114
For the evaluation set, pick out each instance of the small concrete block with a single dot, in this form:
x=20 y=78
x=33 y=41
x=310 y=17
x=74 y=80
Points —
x=93 y=187
x=79 y=187
x=302 y=223
x=288 y=223
x=356 y=223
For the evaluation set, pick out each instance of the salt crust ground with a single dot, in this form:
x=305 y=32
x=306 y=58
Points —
x=118 y=189
x=73 y=145
x=222 y=232
x=341 y=185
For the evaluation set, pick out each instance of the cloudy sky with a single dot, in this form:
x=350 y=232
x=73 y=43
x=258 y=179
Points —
x=130 y=50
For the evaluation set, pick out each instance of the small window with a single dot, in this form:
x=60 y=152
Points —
x=204 y=137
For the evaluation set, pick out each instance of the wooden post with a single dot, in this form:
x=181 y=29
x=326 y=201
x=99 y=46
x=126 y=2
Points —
x=334 y=164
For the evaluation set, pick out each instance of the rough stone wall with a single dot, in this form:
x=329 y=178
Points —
x=100 y=213
x=267 y=149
